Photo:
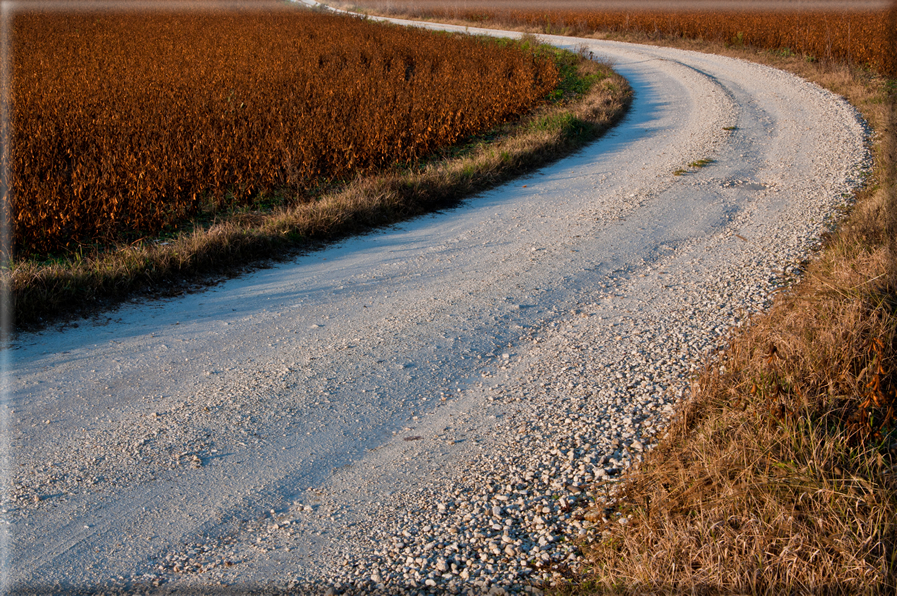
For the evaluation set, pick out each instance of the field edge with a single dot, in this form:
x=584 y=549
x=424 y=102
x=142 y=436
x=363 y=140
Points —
x=63 y=290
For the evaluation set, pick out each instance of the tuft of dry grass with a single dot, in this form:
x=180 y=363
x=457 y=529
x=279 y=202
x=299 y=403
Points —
x=778 y=477
x=592 y=99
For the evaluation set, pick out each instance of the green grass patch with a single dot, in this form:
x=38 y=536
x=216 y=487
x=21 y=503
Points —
x=695 y=165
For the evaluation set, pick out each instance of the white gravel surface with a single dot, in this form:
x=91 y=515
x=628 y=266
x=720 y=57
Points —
x=428 y=407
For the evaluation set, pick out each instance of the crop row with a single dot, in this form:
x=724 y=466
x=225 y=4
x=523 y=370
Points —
x=858 y=36
x=127 y=123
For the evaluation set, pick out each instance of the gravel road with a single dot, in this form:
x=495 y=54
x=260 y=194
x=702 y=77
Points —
x=432 y=405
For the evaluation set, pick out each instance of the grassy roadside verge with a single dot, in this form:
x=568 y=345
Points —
x=589 y=100
x=779 y=475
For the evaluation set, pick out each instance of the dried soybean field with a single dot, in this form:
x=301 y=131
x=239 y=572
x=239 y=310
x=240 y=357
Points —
x=126 y=123
x=857 y=32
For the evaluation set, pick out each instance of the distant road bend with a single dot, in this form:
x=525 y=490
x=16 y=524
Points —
x=390 y=409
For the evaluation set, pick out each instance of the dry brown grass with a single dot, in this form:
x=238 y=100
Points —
x=49 y=291
x=778 y=477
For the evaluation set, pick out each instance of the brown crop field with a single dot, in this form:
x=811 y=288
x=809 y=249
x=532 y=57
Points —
x=125 y=124
x=858 y=33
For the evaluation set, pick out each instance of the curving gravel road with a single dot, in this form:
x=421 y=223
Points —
x=433 y=404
